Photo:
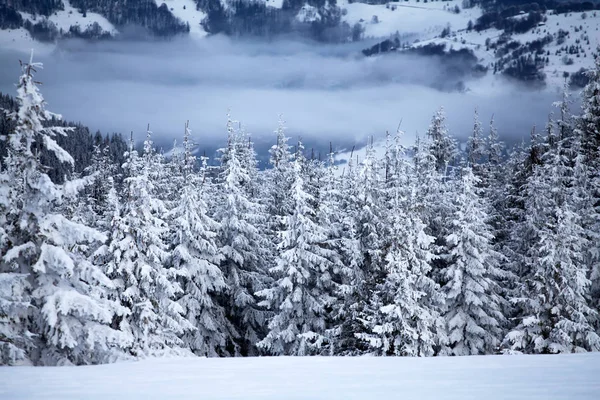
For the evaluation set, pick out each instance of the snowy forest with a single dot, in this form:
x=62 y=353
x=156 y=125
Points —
x=422 y=250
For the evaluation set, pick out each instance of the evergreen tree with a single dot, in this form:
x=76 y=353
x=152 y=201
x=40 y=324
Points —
x=136 y=260
x=299 y=295
x=442 y=147
x=58 y=304
x=587 y=129
x=242 y=245
x=474 y=308
x=95 y=206
x=476 y=145
x=554 y=315
x=350 y=312
x=406 y=304
x=196 y=257
x=434 y=193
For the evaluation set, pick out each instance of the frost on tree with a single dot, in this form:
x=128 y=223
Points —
x=474 y=313
x=442 y=145
x=47 y=267
x=405 y=319
x=195 y=255
x=302 y=278
x=242 y=244
x=587 y=128
x=476 y=144
x=136 y=260
x=554 y=313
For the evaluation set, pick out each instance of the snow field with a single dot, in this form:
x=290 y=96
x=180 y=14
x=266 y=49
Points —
x=70 y=16
x=186 y=11
x=562 y=377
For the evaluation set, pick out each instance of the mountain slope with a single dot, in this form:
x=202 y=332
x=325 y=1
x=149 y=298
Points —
x=523 y=41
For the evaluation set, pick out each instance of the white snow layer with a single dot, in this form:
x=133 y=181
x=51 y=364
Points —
x=185 y=10
x=544 y=377
x=423 y=20
x=70 y=16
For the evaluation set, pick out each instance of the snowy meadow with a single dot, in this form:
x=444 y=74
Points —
x=365 y=378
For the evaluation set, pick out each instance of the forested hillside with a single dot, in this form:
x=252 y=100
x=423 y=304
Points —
x=317 y=19
x=411 y=251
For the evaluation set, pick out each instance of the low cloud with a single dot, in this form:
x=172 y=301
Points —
x=326 y=92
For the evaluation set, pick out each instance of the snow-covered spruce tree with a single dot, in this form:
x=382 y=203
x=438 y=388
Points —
x=441 y=145
x=474 y=313
x=45 y=265
x=494 y=179
x=494 y=146
x=434 y=194
x=136 y=258
x=243 y=246
x=520 y=224
x=328 y=216
x=587 y=128
x=341 y=269
x=588 y=124
x=564 y=123
x=194 y=254
x=280 y=180
x=405 y=318
x=365 y=204
x=476 y=145
x=275 y=182
x=352 y=276
x=370 y=212
x=299 y=296
x=16 y=339
x=553 y=311
x=95 y=207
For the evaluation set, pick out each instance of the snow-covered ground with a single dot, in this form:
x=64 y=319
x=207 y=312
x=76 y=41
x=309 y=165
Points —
x=185 y=10
x=479 y=378
x=424 y=20
x=422 y=23
x=581 y=30
x=71 y=16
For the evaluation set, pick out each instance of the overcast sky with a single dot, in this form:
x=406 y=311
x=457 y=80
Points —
x=326 y=93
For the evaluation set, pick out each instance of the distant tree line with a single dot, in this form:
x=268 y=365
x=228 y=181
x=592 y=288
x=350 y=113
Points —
x=79 y=143
x=237 y=18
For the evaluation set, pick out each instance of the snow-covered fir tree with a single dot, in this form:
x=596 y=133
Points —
x=434 y=193
x=405 y=306
x=299 y=297
x=476 y=144
x=136 y=260
x=195 y=255
x=350 y=310
x=442 y=145
x=587 y=129
x=243 y=245
x=553 y=310
x=58 y=301
x=474 y=313
x=96 y=208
